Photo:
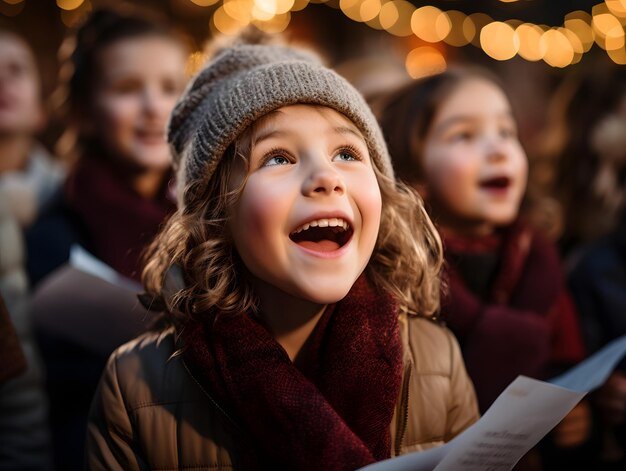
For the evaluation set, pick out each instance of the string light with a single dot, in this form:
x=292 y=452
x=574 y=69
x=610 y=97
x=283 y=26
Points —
x=558 y=46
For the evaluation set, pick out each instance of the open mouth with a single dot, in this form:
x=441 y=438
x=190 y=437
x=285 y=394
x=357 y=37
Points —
x=496 y=183
x=323 y=235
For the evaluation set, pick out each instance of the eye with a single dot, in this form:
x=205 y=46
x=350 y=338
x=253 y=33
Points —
x=347 y=154
x=462 y=136
x=508 y=132
x=171 y=87
x=276 y=158
x=126 y=87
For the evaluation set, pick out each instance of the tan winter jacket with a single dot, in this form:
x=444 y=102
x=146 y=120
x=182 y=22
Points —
x=149 y=413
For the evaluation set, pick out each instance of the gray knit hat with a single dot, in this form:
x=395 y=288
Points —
x=243 y=83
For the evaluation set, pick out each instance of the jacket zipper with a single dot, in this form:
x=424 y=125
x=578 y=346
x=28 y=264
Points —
x=404 y=406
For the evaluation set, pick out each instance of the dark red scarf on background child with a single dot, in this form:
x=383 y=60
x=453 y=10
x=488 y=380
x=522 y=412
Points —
x=334 y=415
x=119 y=221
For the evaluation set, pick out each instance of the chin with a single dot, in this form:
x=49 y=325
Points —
x=325 y=294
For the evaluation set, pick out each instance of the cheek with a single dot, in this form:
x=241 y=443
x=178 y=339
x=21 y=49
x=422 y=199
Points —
x=451 y=174
x=115 y=114
x=369 y=202
x=259 y=214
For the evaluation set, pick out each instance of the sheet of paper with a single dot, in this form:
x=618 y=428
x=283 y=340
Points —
x=594 y=371
x=521 y=416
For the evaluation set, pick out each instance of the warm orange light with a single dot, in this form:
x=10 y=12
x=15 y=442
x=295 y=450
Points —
x=529 y=38
x=204 y=3
x=581 y=28
x=499 y=41
x=456 y=36
x=475 y=22
x=370 y=9
x=299 y=5
x=577 y=45
x=238 y=10
x=604 y=23
x=423 y=61
x=351 y=8
x=430 y=24
x=277 y=24
x=69 y=4
x=558 y=50
x=395 y=17
x=617 y=7
x=224 y=23
x=618 y=56
x=195 y=61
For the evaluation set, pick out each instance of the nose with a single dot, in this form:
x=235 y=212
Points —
x=496 y=148
x=153 y=102
x=322 y=180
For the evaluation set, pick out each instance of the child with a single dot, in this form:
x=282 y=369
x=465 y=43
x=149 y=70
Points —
x=127 y=73
x=293 y=279
x=453 y=136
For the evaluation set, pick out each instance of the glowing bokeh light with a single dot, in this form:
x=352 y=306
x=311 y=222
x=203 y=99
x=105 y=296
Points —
x=577 y=45
x=204 y=3
x=604 y=23
x=558 y=51
x=195 y=61
x=370 y=9
x=238 y=10
x=424 y=61
x=69 y=4
x=582 y=29
x=351 y=8
x=456 y=36
x=277 y=24
x=224 y=23
x=618 y=56
x=499 y=41
x=617 y=7
x=430 y=24
x=478 y=21
x=395 y=17
x=529 y=41
x=299 y=5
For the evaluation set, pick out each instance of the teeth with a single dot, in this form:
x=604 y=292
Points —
x=332 y=222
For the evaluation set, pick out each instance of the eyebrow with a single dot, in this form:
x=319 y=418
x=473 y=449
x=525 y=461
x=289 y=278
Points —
x=467 y=118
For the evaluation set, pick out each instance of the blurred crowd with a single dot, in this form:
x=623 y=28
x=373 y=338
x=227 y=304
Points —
x=534 y=291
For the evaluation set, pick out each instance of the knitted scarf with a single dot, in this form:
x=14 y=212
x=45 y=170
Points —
x=336 y=414
x=118 y=221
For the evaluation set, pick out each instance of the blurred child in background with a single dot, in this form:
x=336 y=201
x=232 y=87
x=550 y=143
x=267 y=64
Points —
x=127 y=71
x=453 y=137
x=28 y=178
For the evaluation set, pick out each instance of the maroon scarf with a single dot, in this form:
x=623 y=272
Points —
x=336 y=414
x=119 y=222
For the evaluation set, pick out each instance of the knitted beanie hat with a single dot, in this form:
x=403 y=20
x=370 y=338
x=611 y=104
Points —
x=245 y=82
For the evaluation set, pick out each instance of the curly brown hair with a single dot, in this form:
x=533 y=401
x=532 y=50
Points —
x=406 y=260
